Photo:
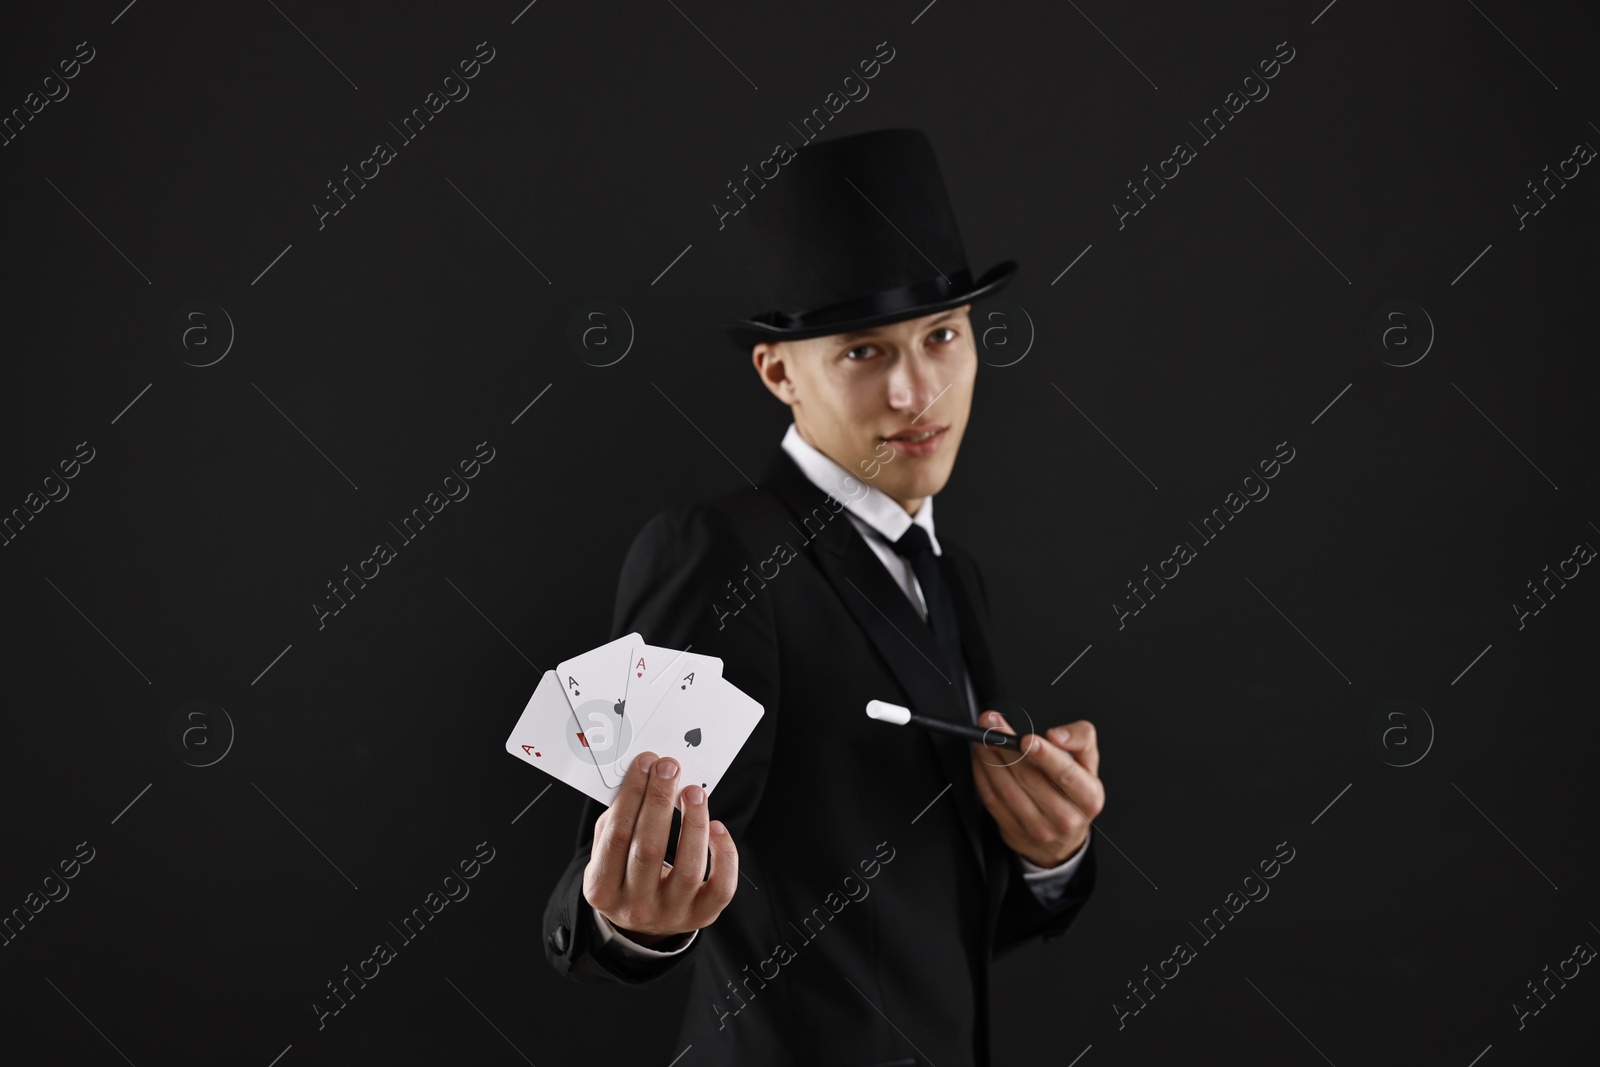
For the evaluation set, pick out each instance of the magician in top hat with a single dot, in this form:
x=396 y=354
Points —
x=823 y=918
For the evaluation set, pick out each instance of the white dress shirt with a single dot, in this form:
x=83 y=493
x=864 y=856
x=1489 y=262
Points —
x=880 y=520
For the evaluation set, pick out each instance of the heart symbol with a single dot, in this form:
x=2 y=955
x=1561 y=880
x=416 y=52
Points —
x=693 y=737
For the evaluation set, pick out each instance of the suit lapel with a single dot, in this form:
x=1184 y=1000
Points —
x=891 y=623
x=974 y=631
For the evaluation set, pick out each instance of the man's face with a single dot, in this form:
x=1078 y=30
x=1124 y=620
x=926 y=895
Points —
x=868 y=400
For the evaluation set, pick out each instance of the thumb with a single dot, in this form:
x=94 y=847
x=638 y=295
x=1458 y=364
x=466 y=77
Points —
x=995 y=720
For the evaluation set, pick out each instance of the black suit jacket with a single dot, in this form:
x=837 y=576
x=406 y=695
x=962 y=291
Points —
x=872 y=898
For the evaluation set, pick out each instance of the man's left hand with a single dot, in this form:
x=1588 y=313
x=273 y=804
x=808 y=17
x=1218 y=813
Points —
x=1043 y=798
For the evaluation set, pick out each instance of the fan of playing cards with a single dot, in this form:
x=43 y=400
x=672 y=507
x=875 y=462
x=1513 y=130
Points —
x=594 y=713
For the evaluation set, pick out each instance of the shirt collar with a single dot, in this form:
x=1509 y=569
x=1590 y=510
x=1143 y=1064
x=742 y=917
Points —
x=881 y=512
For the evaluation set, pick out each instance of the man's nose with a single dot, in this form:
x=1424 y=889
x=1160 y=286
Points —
x=913 y=384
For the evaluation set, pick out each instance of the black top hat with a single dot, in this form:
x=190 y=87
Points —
x=855 y=232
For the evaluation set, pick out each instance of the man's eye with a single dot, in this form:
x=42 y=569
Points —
x=864 y=350
x=943 y=340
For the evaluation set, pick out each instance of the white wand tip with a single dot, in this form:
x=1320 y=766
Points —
x=886 y=712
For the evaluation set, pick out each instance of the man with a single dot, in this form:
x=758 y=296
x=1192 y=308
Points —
x=847 y=904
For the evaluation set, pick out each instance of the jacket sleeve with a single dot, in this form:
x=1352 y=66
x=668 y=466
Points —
x=1022 y=916
x=673 y=590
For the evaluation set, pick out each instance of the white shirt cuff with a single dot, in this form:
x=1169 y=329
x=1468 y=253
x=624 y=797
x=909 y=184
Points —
x=1050 y=882
x=611 y=935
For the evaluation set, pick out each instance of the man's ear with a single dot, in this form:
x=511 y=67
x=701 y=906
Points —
x=770 y=361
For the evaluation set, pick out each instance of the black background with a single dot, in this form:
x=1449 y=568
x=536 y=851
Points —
x=1177 y=352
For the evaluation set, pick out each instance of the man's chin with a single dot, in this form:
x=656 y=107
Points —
x=925 y=484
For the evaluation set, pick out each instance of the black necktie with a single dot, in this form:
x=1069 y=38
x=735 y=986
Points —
x=915 y=547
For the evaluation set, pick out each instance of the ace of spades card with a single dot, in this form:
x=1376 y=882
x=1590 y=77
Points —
x=654 y=675
x=702 y=726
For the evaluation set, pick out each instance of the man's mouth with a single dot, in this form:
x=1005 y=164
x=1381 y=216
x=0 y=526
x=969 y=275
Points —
x=916 y=435
x=917 y=441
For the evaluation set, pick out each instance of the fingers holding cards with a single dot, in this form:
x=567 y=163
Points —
x=651 y=832
x=705 y=873
x=613 y=834
x=589 y=724
x=627 y=879
x=689 y=862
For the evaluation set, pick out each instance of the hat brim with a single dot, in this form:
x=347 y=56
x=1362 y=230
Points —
x=747 y=332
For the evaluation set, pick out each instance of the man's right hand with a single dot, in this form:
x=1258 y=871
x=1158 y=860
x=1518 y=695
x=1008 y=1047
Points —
x=628 y=879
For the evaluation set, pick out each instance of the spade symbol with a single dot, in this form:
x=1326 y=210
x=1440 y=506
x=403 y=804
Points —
x=693 y=737
x=618 y=708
